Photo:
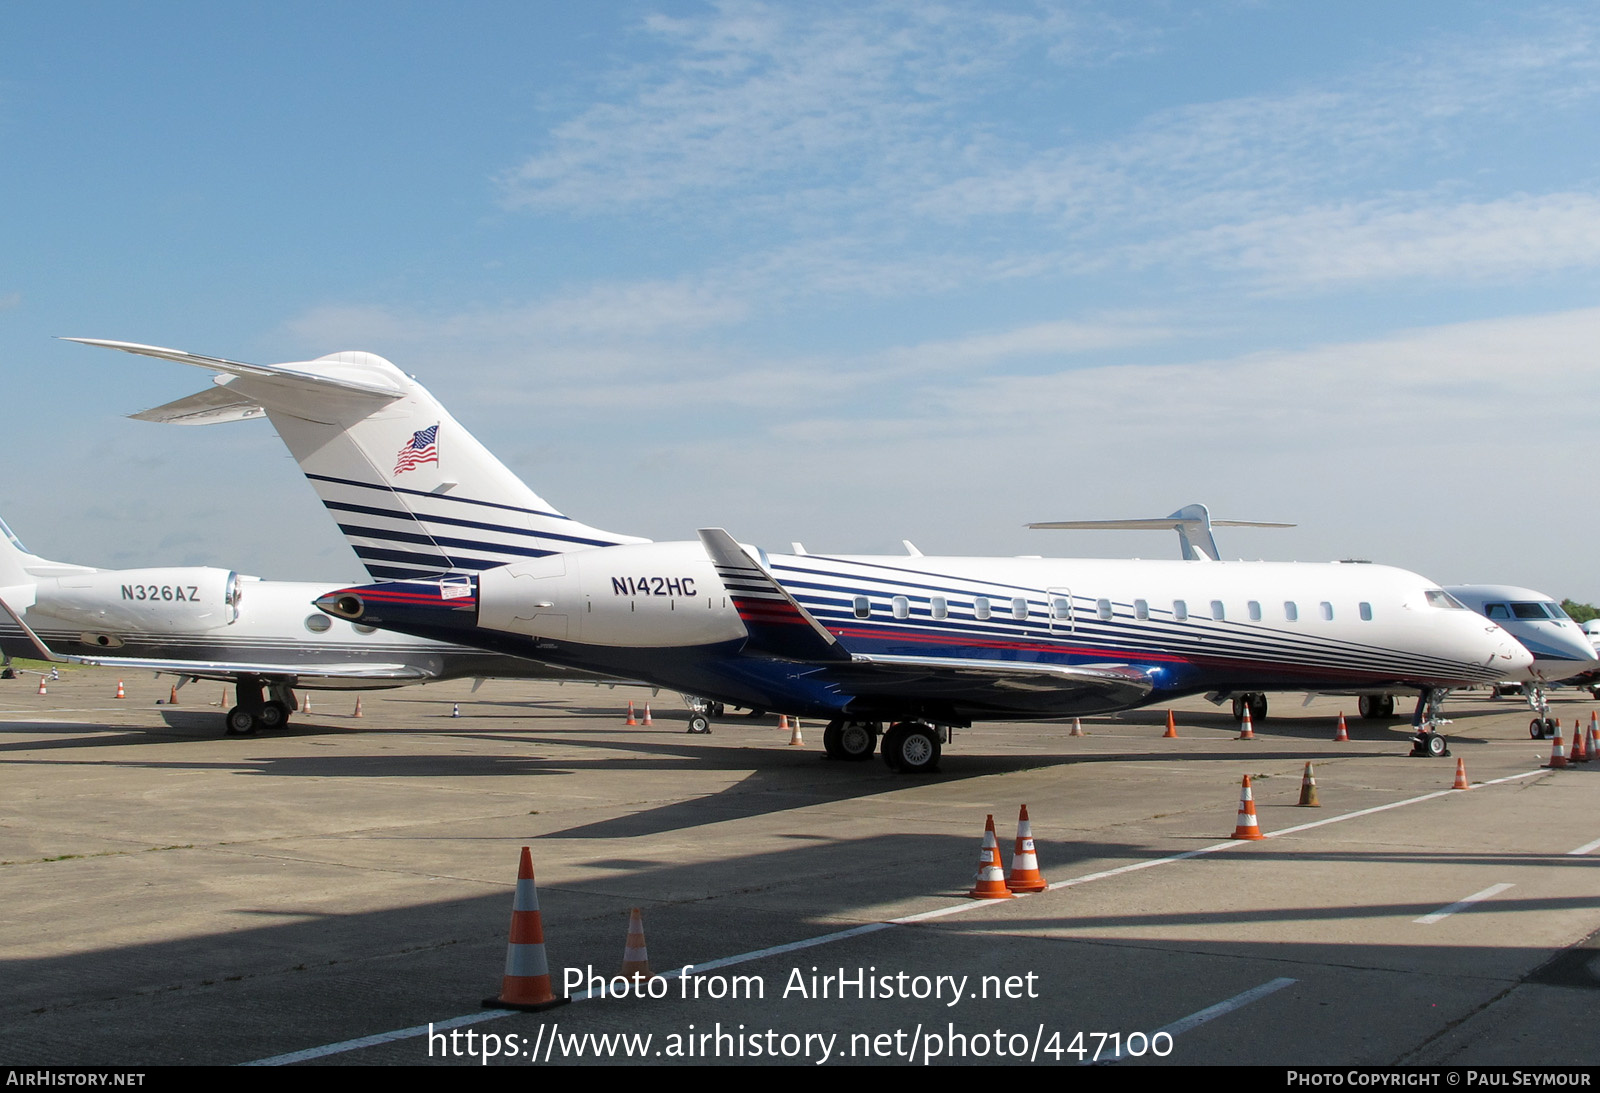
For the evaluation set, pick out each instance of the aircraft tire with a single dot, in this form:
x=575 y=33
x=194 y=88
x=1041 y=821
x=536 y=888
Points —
x=911 y=748
x=851 y=741
x=1258 y=708
x=1536 y=729
x=240 y=722
x=699 y=724
x=1435 y=745
x=273 y=715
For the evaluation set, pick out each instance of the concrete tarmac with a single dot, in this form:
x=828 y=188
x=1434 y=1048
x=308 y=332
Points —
x=324 y=893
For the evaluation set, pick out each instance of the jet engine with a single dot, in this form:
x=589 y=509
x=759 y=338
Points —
x=152 y=601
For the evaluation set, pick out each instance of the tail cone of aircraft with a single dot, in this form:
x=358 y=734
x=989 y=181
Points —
x=1308 y=789
x=1172 y=728
x=1461 y=775
x=635 y=956
x=526 y=985
x=1341 y=735
x=1246 y=827
x=991 y=877
x=1025 y=875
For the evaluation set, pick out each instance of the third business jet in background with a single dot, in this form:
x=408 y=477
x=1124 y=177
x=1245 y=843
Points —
x=919 y=644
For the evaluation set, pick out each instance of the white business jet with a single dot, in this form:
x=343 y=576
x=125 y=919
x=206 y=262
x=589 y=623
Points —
x=922 y=645
x=199 y=622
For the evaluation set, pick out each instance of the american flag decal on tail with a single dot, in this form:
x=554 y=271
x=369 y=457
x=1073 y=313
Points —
x=423 y=447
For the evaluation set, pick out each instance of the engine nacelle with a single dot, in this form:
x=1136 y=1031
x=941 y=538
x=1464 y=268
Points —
x=648 y=595
x=150 y=601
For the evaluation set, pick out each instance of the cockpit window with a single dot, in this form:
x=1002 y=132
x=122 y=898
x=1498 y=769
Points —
x=1438 y=597
x=1497 y=610
x=1555 y=610
x=1528 y=611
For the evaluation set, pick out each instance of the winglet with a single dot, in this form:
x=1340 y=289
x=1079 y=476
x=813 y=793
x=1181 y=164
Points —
x=775 y=621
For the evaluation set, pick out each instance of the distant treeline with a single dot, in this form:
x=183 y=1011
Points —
x=1580 y=612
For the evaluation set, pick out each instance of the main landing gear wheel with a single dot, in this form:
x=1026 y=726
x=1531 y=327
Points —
x=273 y=715
x=699 y=724
x=852 y=741
x=241 y=722
x=912 y=748
x=1541 y=728
x=1255 y=702
x=1374 y=707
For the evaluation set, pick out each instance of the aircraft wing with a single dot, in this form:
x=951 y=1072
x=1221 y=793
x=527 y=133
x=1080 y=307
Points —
x=1007 y=683
x=375 y=674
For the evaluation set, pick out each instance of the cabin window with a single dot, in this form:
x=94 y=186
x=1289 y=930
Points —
x=980 y=607
x=1291 y=610
x=1103 y=609
x=937 y=608
x=1216 y=610
x=1327 y=611
x=1180 y=610
x=362 y=628
x=318 y=623
x=1141 y=610
x=1365 y=610
x=1019 y=608
x=902 y=607
x=1253 y=608
x=863 y=607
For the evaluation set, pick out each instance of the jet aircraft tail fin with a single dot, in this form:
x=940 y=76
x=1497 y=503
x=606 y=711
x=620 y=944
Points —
x=19 y=567
x=414 y=493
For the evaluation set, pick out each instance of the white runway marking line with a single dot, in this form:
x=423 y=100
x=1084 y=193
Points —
x=1211 y=1013
x=1462 y=904
x=871 y=927
x=1585 y=848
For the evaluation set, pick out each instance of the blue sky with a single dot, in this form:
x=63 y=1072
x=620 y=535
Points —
x=839 y=273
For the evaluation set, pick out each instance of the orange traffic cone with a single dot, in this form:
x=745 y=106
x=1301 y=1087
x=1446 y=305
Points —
x=1580 y=754
x=1308 y=789
x=1246 y=730
x=991 y=881
x=783 y=722
x=172 y=700
x=795 y=739
x=1025 y=875
x=635 y=957
x=1461 y=775
x=1558 y=751
x=358 y=707
x=631 y=719
x=646 y=719
x=1341 y=735
x=120 y=692
x=1246 y=828
x=1172 y=728
x=41 y=686
x=305 y=703
x=526 y=985
x=1077 y=728
x=222 y=703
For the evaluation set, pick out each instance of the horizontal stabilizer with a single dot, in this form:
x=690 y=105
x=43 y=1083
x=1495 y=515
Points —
x=376 y=388
x=1193 y=524
x=213 y=406
x=775 y=621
